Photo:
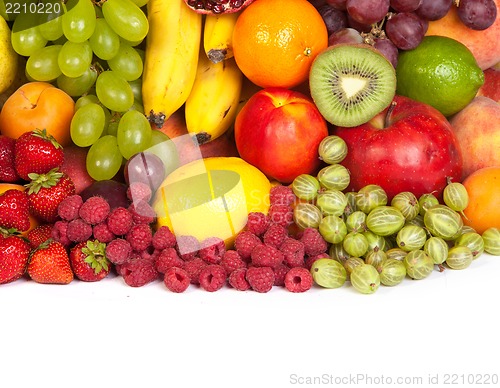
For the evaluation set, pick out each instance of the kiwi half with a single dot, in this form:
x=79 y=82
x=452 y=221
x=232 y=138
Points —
x=351 y=83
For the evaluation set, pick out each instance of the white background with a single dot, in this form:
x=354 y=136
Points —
x=108 y=334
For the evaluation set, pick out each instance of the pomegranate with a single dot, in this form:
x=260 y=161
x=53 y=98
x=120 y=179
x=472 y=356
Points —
x=217 y=6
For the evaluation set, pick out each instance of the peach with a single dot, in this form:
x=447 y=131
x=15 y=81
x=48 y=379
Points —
x=491 y=86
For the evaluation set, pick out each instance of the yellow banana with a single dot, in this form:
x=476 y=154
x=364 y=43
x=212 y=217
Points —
x=172 y=49
x=213 y=102
x=218 y=36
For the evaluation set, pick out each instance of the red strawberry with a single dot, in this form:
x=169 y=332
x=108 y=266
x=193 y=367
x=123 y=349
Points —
x=37 y=152
x=40 y=234
x=45 y=193
x=8 y=171
x=89 y=261
x=14 y=255
x=14 y=211
x=49 y=264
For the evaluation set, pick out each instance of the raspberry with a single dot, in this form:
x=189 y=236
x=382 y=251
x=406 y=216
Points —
x=194 y=268
x=138 y=272
x=60 y=233
x=244 y=244
x=298 y=280
x=232 y=261
x=94 y=210
x=261 y=279
x=281 y=214
x=237 y=279
x=139 y=236
x=293 y=252
x=212 y=277
x=39 y=235
x=212 y=249
x=257 y=223
x=275 y=235
x=176 y=279
x=120 y=221
x=188 y=247
x=281 y=195
x=266 y=256
x=78 y=230
x=279 y=274
x=163 y=238
x=102 y=233
x=168 y=258
x=142 y=212
x=313 y=241
x=139 y=191
x=311 y=259
x=69 y=207
x=118 y=251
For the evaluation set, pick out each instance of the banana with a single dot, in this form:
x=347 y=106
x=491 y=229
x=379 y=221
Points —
x=218 y=36
x=213 y=102
x=171 y=59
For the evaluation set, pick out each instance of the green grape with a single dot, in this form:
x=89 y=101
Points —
x=392 y=272
x=137 y=106
x=42 y=65
x=491 y=238
x=473 y=241
x=134 y=133
x=418 y=264
x=426 y=201
x=114 y=92
x=140 y=3
x=437 y=249
x=98 y=11
x=78 y=86
x=411 y=237
x=25 y=36
x=355 y=244
x=126 y=19
x=351 y=263
x=331 y=202
x=104 y=42
x=365 y=278
x=441 y=221
x=86 y=99
x=127 y=63
x=351 y=203
x=332 y=149
x=334 y=177
x=75 y=58
x=79 y=20
x=333 y=229
x=356 y=222
x=385 y=220
x=306 y=215
x=375 y=241
x=396 y=253
x=104 y=158
x=306 y=187
x=132 y=43
x=136 y=86
x=369 y=197
x=337 y=252
x=87 y=125
x=163 y=147
x=328 y=273
x=459 y=257
x=407 y=203
x=50 y=23
x=375 y=257
x=455 y=196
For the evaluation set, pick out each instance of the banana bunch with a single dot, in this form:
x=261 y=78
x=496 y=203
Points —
x=218 y=36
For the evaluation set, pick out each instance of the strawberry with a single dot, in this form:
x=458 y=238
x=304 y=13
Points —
x=39 y=235
x=14 y=213
x=8 y=171
x=89 y=261
x=37 y=152
x=45 y=193
x=14 y=255
x=49 y=264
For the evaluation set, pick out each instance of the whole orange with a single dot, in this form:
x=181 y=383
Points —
x=275 y=41
x=483 y=210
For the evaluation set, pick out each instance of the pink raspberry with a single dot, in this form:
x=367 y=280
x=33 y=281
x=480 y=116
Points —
x=261 y=279
x=266 y=256
x=139 y=236
x=212 y=277
x=244 y=244
x=69 y=207
x=139 y=191
x=298 y=280
x=176 y=279
x=168 y=258
x=279 y=274
x=257 y=223
x=163 y=238
x=311 y=259
x=281 y=195
x=142 y=212
x=275 y=235
x=194 y=268
x=120 y=221
x=102 y=233
x=138 y=272
x=281 y=214
x=212 y=249
x=313 y=241
x=118 y=251
x=78 y=230
x=94 y=210
x=188 y=247
x=60 y=233
x=293 y=252
x=232 y=261
x=237 y=279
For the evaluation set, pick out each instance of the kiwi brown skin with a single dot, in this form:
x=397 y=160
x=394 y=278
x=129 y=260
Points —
x=326 y=76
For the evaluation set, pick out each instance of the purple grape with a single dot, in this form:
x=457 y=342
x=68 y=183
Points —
x=334 y=19
x=433 y=9
x=388 y=50
x=345 y=35
x=367 y=11
x=405 y=5
x=317 y=3
x=404 y=30
x=477 y=14
x=114 y=192
x=358 y=26
x=145 y=167
x=338 y=4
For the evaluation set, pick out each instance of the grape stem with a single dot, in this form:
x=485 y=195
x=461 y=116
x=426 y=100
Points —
x=387 y=121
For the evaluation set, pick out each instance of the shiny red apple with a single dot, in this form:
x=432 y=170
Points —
x=409 y=146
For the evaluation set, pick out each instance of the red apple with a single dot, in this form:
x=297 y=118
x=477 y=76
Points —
x=279 y=131
x=410 y=146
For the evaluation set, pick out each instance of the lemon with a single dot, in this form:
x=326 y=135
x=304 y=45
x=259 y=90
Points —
x=441 y=72
x=211 y=197
x=8 y=57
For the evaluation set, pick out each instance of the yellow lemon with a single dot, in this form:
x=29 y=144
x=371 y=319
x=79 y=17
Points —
x=211 y=197
x=8 y=57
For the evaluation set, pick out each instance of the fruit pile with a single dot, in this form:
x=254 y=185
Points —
x=248 y=144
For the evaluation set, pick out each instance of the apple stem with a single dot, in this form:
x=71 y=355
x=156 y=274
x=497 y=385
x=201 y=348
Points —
x=388 y=114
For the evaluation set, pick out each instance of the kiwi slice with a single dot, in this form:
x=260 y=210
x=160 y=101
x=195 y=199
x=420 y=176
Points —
x=351 y=83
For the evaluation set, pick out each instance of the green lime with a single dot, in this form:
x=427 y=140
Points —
x=441 y=72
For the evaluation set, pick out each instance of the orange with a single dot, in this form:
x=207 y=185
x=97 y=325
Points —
x=483 y=210
x=276 y=41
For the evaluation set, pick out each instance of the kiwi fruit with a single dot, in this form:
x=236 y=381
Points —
x=351 y=83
